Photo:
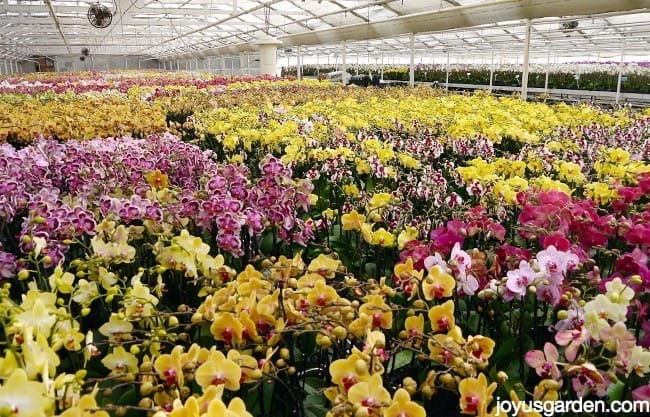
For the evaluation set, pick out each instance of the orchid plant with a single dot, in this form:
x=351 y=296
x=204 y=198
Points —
x=335 y=252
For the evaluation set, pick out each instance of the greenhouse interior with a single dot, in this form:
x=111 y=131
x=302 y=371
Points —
x=312 y=208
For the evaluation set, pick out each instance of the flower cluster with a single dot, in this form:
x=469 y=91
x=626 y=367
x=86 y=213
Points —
x=312 y=249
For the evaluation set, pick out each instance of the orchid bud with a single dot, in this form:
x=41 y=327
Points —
x=636 y=279
x=410 y=385
x=502 y=377
x=146 y=388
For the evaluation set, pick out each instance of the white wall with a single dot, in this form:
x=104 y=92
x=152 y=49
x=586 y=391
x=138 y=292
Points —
x=103 y=62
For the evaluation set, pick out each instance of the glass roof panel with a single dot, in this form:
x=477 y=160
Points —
x=169 y=28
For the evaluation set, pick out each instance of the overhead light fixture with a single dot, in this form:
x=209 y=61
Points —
x=569 y=26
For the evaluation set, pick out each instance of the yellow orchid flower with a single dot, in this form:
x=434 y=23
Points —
x=322 y=295
x=169 y=367
x=219 y=370
x=442 y=317
x=324 y=265
x=352 y=220
x=23 y=398
x=376 y=308
x=120 y=362
x=117 y=329
x=347 y=372
x=475 y=395
x=402 y=406
x=370 y=395
x=86 y=407
x=438 y=284
x=227 y=328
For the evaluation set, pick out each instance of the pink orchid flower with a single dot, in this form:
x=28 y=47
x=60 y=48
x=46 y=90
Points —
x=573 y=340
x=545 y=363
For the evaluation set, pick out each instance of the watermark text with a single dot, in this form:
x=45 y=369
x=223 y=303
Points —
x=572 y=407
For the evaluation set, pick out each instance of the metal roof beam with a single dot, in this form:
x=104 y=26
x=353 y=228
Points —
x=451 y=18
x=57 y=23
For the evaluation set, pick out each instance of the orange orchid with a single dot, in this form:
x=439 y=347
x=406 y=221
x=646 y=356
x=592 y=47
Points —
x=156 y=179
x=360 y=325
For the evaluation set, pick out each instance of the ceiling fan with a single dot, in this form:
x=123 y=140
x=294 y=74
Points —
x=99 y=15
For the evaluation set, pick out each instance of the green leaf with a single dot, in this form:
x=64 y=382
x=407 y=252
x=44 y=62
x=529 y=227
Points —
x=315 y=405
x=130 y=397
x=615 y=391
x=371 y=269
x=313 y=385
x=370 y=184
x=266 y=245
x=401 y=358
x=267 y=395
x=504 y=353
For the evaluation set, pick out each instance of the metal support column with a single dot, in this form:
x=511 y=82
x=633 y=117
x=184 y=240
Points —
x=491 y=67
x=524 y=76
x=412 y=60
x=620 y=70
x=299 y=63
x=447 y=73
x=344 y=65
x=548 y=64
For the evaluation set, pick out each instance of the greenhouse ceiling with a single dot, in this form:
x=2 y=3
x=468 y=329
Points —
x=185 y=29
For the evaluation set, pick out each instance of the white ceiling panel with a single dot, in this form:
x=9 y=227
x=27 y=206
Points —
x=168 y=29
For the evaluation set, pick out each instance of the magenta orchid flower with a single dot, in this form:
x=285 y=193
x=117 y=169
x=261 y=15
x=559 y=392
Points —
x=642 y=393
